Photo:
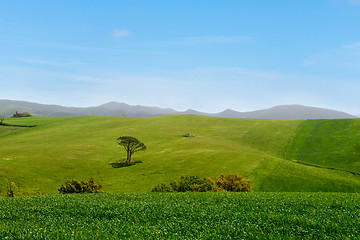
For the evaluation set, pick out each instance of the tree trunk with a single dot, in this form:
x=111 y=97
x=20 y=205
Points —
x=128 y=157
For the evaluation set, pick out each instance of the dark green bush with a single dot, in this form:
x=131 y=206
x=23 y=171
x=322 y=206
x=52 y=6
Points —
x=186 y=183
x=75 y=186
x=224 y=183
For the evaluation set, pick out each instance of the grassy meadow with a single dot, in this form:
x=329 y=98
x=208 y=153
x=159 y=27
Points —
x=328 y=143
x=268 y=152
x=182 y=216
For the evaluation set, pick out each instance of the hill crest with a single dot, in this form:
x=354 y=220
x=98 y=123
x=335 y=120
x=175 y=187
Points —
x=281 y=112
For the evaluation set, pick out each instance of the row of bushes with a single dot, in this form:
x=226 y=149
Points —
x=223 y=183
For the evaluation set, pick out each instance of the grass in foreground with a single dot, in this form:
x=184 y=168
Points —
x=182 y=216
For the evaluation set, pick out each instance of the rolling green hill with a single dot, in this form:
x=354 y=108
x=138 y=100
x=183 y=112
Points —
x=328 y=143
x=40 y=159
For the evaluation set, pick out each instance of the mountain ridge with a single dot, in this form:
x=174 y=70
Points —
x=113 y=108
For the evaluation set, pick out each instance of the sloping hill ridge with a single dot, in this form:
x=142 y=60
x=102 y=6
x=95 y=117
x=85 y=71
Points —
x=285 y=112
x=40 y=159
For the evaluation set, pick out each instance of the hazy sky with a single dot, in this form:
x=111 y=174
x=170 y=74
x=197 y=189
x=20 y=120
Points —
x=208 y=55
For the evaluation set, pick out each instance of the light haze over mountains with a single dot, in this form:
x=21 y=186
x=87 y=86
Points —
x=285 y=112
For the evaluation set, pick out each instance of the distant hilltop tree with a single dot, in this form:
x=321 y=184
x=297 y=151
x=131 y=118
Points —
x=24 y=114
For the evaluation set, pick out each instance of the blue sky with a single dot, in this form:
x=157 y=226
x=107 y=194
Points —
x=206 y=55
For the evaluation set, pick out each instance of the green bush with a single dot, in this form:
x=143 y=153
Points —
x=162 y=187
x=224 y=183
x=186 y=184
x=75 y=186
x=206 y=186
x=233 y=183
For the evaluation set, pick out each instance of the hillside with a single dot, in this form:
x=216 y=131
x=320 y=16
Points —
x=284 y=112
x=40 y=159
x=328 y=143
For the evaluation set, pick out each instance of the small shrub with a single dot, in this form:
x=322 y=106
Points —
x=188 y=135
x=207 y=186
x=187 y=183
x=11 y=188
x=162 y=187
x=75 y=186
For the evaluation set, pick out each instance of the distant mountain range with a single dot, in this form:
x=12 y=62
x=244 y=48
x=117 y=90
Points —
x=285 y=112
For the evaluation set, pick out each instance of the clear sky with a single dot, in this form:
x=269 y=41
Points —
x=207 y=55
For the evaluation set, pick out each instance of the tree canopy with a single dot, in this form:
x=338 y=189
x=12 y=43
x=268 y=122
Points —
x=131 y=145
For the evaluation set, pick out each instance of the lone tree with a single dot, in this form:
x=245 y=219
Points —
x=131 y=146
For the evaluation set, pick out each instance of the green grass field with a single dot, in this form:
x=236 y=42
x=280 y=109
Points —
x=182 y=216
x=41 y=158
x=328 y=143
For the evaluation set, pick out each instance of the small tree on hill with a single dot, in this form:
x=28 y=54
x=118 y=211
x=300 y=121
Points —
x=131 y=146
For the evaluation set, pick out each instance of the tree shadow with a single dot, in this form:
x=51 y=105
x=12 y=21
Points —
x=15 y=125
x=124 y=164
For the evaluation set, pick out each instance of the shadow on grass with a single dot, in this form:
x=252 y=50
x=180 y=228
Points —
x=124 y=164
x=15 y=125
